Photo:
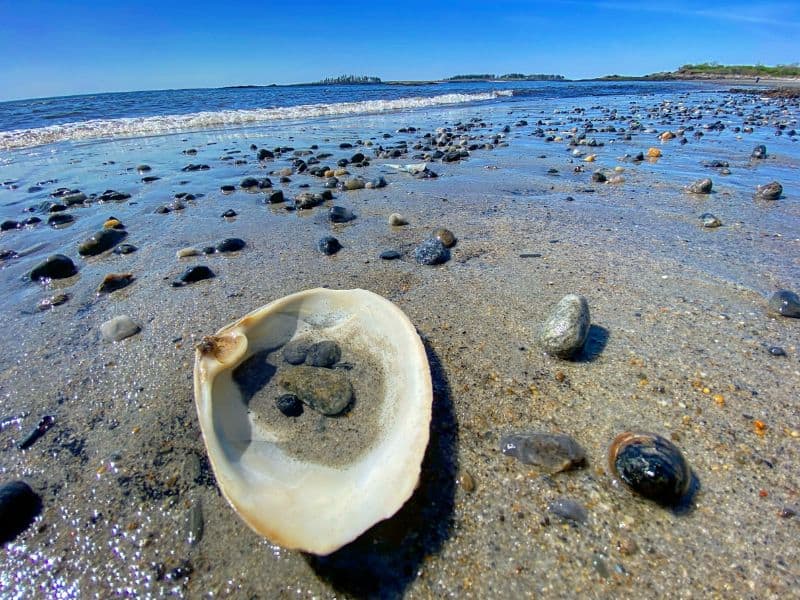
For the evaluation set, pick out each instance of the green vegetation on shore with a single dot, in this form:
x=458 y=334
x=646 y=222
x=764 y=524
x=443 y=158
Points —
x=714 y=69
x=506 y=77
x=349 y=80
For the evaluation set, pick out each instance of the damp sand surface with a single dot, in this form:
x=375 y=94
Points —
x=678 y=346
x=334 y=441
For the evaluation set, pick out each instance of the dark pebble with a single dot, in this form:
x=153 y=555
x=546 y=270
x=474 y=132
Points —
x=289 y=405
x=325 y=390
x=227 y=189
x=759 y=152
x=9 y=225
x=329 y=245
x=431 y=252
x=776 y=351
x=59 y=219
x=150 y=179
x=295 y=351
x=323 y=354
x=784 y=303
x=230 y=245
x=56 y=266
x=19 y=506
x=125 y=249
x=228 y=214
x=390 y=255
x=599 y=177
x=769 y=191
x=101 y=241
x=193 y=274
x=37 y=432
x=30 y=221
x=115 y=281
x=340 y=214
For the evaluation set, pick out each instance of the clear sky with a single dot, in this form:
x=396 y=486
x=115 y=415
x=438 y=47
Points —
x=51 y=47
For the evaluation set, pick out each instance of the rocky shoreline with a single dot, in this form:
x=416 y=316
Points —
x=478 y=228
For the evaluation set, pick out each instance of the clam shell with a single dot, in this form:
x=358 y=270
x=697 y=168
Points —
x=297 y=503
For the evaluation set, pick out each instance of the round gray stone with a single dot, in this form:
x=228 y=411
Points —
x=119 y=328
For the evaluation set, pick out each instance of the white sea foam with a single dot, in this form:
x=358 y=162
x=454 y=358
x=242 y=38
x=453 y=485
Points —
x=139 y=126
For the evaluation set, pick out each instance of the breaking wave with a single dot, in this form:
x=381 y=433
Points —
x=154 y=125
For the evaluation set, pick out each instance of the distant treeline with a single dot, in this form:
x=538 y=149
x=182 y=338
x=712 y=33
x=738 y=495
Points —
x=508 y=76
x=349 y=79
x=712 y=68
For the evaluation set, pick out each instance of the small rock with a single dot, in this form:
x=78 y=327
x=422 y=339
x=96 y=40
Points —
x=599 y=177
x=60 y=219
x=52 y=301
x=565 y=332
x=769 y=191
x=329 y=245
x=228 y=214
x=56 y=266
x=784 y=303
x=340 y=214
x=125 y=249
x=275 y=197
x=325 y=390
x=193 y=274
x=552 y=451
x=701 y=186
x=101 y=241
x=445 y=236
x=390 y=255
x=195 y=524
x=119 y=328
x=569 y=510
x=466 y=481
x=185 y=252
x=323 y=354
x=759 y=152
x=9 y=225
x=776 y=351
x=19 y=506
x=289 y=405
x=710 y=221
x=295 y=351
x=431 y=252
x=397 y=220
x=355 y=183
x=230 y=245
x=115 y=281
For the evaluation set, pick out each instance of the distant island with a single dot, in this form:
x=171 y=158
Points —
x=713 y=70
x=348 y=80
x=507 y=77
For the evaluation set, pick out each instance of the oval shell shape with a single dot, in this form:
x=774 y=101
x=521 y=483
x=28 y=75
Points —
x=300 y=503
x=651 y=465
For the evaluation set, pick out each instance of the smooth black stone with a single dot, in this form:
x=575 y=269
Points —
x=34 y=188
x=9 y=225
x=776 y=351
x=162 y=210
x=265 y=154
x=150 y=179
x=209 y=250
x=125 y=249
x=54 y=208
x=19 y=506
x=193 y=274
x=101 y=241
x=431 y=252
x=289 y=405
x=230 y=245
x=32 y=221
x=229 y=214
x=329 y=245
x=59 y=219
x=340 y=214
x=248 y=183
x=295 y=351
x=785 y=303
x=56 y=266
x=227 y=189
x=654 y=467
x=113 y=196
x=323 y=354
x=759 y=152
x=599 y=177
x=275 y=197
x=390 y=255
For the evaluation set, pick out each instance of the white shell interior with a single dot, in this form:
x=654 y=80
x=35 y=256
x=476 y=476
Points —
x=303 y=505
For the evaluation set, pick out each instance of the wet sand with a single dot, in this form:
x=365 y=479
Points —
x=677 y=346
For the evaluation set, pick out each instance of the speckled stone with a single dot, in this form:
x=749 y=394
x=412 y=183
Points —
x=554 y=452
x=119 y=328
x=769 y=191
x=565 y=332
x=329 y=245
x=784 y=303
x=325 y=390
x=431 y=252
x=701 y=186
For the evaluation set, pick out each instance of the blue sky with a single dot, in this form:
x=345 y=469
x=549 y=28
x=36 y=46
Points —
x=50 y=48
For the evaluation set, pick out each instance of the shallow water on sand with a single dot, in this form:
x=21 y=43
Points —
x=678 y=346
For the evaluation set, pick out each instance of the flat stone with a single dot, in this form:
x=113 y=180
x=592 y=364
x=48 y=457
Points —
x=101 y=241
x=569 y=510
x=325 y=390
x=553 y=452
x=323 y=354
x=119 y=328
x=784 y=303
x=114 y=281
x=565 y=332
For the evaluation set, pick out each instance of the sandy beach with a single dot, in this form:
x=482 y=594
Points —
x=679 y=345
